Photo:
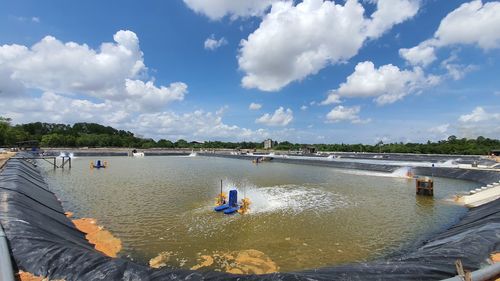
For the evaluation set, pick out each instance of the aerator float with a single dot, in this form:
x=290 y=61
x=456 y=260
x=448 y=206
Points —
x=98 y=164
x=231 y=207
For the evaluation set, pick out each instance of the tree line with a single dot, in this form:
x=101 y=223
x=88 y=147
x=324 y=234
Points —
x=96 y=135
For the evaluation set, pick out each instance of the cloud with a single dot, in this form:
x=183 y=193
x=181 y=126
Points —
x=331 y=99
x=152 y=98
x=217 y=9
x=71 y=82
x=280 y=117
x=389 y=13
x=51 y=65
x=344 y=113
x=479 y=123
x=51 y=107
x=422 y=54
x=440 y=131
x=472 y=23
x=202 y=125
x=255 y=106
x=303 y=108
x=112 y=72
x=387 y=84
x=35 y=19
x=212 y=44
x=479 y=115
x=295 y=41
x=456 y=71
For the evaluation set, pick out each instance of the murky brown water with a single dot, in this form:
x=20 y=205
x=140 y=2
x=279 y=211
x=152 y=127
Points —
x=301 y=217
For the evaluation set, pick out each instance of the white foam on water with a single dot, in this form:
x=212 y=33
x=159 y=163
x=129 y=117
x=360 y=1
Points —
x=402 y=172
x=449 y=163
x=281 y=199
x=66 y=154
x=287 y=198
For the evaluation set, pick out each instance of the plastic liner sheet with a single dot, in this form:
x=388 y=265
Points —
x=434 y=158
x=113 y=153
x=481 y=176
x=319 y=162
x=45 y=242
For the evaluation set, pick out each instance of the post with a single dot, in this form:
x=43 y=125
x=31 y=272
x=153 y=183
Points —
x=55 y=163
x=69 y=162
x=221 y=197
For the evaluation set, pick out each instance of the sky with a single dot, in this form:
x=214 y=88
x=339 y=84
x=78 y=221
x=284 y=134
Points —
x=312 y=71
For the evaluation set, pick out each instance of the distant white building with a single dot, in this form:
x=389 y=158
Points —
x=268 y=144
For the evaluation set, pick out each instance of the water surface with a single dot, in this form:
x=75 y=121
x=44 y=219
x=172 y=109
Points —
x=302 y=216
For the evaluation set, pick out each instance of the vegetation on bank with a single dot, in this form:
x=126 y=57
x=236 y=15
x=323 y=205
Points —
x=95 y=135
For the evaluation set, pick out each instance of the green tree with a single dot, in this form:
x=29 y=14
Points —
x=4 y=129
x=181 y=144
x=165 y=143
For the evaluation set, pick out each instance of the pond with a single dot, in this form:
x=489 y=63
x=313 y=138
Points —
x=301 y=216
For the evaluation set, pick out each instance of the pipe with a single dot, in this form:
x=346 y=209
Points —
x=6 y=273
x=482 y=274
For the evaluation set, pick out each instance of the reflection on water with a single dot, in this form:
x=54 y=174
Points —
x=301 y=217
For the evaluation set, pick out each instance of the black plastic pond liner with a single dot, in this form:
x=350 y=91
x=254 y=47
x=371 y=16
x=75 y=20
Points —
x=481 y=176
x=45 y=242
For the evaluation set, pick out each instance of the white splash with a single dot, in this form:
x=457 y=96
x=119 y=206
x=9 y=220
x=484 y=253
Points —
x=448 y=163
x=287 y=198
x=403 y=172
x=66 y=154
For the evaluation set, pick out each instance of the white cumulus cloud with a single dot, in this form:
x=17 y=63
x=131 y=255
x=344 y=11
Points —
x=255 y=106
x=440 y=129
x=153 y=98
x=332 y=98
x=51 y=65
x=387 y=84
x=280 y=117
x=422 y=54
x=345 y=113
x=480 y=122
x=51 y=107
x=478 y=115
x=294 y=41
x=112 y=72
x=473 y=23
x=389 y=13
x=217 y=9
x=198 y=124
x=211 y=43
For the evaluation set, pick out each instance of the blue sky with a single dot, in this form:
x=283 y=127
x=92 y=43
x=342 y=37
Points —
x=316 y=71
